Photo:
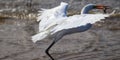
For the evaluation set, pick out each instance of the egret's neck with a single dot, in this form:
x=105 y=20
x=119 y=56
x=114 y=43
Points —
x=86 y=10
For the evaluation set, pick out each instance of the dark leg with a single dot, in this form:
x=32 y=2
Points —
x=47 y=50
x=57 y=37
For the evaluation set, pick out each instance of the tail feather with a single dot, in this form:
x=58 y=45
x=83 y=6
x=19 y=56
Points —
x=40 y=36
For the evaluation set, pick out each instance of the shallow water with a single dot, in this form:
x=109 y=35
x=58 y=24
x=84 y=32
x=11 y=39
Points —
x=101 y=42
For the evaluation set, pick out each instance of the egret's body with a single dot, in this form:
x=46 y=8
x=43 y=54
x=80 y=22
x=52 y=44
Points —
x=55 y=22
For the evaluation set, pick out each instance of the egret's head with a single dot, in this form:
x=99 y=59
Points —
x=101 y=7
x=94 y=6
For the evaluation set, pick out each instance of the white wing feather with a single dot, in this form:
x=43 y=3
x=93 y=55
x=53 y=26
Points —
x=47 y=16
x=78 y=20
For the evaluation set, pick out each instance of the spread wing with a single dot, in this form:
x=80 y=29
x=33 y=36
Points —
x=47 y=16
x=77 y=21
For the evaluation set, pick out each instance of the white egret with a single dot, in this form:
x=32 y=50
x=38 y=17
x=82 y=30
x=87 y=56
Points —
x=55 y=22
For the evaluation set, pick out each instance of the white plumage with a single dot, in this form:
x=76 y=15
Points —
x=47 y=14
x=46 y=17
x=78 y=20
x=55 y=19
